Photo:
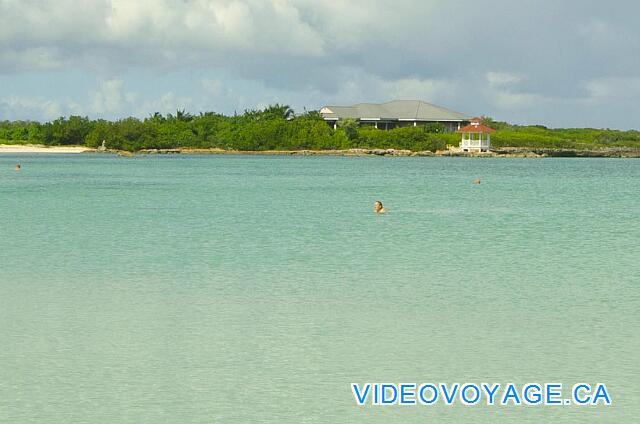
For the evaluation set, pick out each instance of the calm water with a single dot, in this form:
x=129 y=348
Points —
x=198 y=289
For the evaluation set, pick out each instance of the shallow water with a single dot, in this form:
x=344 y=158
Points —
x=255 y=289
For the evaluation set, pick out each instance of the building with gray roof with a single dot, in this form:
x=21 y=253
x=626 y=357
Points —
x=397 y=113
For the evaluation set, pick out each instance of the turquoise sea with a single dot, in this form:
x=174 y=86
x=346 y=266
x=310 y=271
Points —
x=241 y=289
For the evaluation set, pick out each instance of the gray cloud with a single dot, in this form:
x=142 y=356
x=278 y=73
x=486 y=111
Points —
x=560 y=63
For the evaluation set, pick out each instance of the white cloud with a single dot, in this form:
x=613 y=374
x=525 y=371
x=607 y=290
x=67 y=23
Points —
x=166 y=103
x=167 y=32
x=416 y=88
x=372 y=88
x=502 y=93
x=502 y=79
x=15 y=107
x=108 y=98
x=614 y=87
x=212 y=86
x=508 y=100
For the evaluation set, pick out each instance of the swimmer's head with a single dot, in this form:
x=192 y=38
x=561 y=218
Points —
x=377 y=207
x=18 y=167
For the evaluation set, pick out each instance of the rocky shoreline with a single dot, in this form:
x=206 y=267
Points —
x=509 y=152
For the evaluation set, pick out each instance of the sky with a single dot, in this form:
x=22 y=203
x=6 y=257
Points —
x=571 y=63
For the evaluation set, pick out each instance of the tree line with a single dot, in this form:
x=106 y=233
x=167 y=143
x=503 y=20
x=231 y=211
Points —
x=277 y=128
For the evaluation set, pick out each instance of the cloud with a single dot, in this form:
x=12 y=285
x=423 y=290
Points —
x=614 y=88
x=506 y=100
x=166 y=103
x=501 y=91
x=166 y=33
x=509 y=59
x=356 y=87
x=18 y=108
x=212 y=86
x=502 y=79
x=108 y=98
x=30 y=58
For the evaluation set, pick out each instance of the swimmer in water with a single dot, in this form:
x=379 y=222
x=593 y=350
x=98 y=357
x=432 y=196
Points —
x=378 y=208
x=18 y=167
x=476 y=181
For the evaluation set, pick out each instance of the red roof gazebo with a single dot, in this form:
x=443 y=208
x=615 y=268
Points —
x=475 y=137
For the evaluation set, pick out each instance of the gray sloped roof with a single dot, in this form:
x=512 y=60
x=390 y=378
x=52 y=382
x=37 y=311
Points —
x=397 y=109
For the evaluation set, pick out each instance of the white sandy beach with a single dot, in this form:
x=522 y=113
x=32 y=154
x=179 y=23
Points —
x=38 y=148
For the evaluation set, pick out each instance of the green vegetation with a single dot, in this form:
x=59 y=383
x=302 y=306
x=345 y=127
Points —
x=538 y=136
x=277 y=128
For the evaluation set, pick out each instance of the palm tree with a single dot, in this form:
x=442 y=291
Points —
x=181 y=115
x=279 y=111
x=157 y=117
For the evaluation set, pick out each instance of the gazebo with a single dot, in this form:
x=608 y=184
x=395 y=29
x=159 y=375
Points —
x=475 y=137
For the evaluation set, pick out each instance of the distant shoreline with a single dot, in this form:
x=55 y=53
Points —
x=39 y=148
x=508 y=152
x=512 y=152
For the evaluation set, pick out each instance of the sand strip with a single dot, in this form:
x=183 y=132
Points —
x=35 y=148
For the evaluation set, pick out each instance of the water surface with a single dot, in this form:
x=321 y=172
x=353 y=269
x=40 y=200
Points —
x=198 y=289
